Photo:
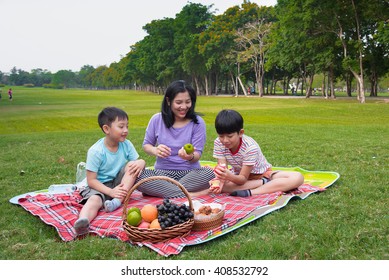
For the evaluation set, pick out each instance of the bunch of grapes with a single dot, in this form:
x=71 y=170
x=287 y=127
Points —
x=170 y=214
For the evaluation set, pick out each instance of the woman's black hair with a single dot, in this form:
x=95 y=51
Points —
x=173 y=89
x=109 y=114
x=228 y=121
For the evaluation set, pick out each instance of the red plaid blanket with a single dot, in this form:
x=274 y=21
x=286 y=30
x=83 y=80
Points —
x=61 y=211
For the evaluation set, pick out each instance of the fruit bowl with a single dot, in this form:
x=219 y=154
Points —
x=153 y=235
x=207 y=216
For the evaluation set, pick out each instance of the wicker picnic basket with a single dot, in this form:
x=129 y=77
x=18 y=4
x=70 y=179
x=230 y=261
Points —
x=208 y=223
x=156 y=235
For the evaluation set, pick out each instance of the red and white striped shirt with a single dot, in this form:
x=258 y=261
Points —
x=249 y=153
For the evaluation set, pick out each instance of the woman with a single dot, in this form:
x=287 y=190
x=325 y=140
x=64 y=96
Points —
x=167 y=132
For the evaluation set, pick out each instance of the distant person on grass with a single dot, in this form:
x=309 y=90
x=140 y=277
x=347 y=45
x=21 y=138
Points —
x=251 y=173
x=112 y=167
x=10 y=94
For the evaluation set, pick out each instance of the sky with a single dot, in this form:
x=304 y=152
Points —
x=58 y=35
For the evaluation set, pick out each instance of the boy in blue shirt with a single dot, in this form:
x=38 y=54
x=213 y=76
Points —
x=112 y=166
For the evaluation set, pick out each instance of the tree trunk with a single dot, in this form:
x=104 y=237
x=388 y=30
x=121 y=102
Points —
x=234 y=84
x=206 y=85
x=357 y=90
x=373 y=84
x=309 y=87
x=216 y=84
x=259 y=77
x=274 y=89
x=197 y=85
x=288 y=78
x=260 y=85
x=269 y=86
x=273 y=83
x=331 y=81
x=327 y=84
x=361 y=87
x=242 y=86
x=348 y=84
x=360 y=77
x=302 y=85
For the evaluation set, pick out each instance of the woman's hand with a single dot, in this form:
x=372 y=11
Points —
x=162 y=151
x=182 y=154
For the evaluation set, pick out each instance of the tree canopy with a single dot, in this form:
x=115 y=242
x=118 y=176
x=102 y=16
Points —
x=247 y=45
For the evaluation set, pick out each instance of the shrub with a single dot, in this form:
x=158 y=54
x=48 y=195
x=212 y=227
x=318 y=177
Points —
x=55 y=86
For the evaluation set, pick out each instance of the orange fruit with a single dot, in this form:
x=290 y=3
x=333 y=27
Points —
x=149 y=213
x=155 y=224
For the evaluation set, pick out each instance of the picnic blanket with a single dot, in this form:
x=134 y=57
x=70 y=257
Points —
x=61 y=210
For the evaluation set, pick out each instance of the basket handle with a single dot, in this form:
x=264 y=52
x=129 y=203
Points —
x=154 y=178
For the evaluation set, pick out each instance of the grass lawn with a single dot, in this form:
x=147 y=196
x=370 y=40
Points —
x=47 y=132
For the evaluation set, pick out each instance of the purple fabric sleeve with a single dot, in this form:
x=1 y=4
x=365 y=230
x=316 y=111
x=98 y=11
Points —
x=175 y=138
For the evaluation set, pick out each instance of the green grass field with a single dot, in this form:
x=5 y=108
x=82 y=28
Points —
x=45 y=133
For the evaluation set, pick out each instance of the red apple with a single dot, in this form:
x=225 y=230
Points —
x=144 y=224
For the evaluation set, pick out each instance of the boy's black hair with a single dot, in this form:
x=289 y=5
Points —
x=228 y=121
x=173 y=89
x=109 y=114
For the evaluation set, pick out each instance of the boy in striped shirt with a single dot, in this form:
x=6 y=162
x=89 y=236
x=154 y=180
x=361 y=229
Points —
x=251 y=173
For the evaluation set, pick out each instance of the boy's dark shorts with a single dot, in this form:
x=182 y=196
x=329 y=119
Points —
x=88 y=192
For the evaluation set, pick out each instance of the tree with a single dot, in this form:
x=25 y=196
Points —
x=39 y=77
x=84 y=75
x=217 y=42
x=112 y=77
x=131 y=74
x=376 y=57
x=376 y=61
x=295 y=41
x=19 y=77
x=351 y=21
x=97 y=77
x=251 y=39
x=355 y=64
x=193 y=63
x=66 y=78
x=188 y=24
x=158 y=57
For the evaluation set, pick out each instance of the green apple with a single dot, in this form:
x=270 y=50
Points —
x=189 y=149
x=136 y=209
x=134 y=218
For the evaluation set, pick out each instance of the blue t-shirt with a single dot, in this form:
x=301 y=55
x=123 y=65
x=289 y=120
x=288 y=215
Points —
x=106 y=163
x=175 y=138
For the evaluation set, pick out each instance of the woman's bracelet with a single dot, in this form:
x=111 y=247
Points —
x=192 y=157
